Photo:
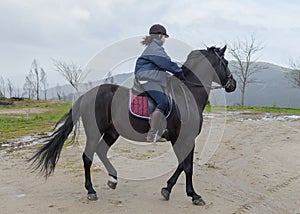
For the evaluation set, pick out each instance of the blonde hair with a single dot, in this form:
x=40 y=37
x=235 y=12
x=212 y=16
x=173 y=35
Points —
x=148 y=39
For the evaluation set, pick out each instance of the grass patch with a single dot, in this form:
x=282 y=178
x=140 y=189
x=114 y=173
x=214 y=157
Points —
x=14 y=126
x=254 y=109
x=27 y=103
x=265 y=109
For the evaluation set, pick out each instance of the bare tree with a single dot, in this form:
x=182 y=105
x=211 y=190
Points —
x=58 y=92
x=70 y=71
x=294 y=75
x=36 y=78
x=2 y=86
x=17 y=92
x=44 y=83
x=243 y=52
x=30 y=85
x=10 y=88
x=33 y=80
x=63 y=96
x=109 y=78
x=28 y=88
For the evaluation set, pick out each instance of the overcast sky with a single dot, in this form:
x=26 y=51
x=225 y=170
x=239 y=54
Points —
x=77 y=30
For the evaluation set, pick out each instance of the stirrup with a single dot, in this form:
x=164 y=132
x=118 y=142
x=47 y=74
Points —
x=161 y=139
x=155 y=138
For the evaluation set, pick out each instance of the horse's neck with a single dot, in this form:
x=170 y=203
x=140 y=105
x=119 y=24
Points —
x=202 y=75
x=199 y=71
x=200 y=93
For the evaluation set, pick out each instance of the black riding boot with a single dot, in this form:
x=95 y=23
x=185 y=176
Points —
x=158 y=124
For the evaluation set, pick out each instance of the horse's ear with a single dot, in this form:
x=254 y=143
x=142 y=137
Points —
x=222 y=51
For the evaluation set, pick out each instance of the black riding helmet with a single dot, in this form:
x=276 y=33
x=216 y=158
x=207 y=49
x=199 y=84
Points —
x=158 y=29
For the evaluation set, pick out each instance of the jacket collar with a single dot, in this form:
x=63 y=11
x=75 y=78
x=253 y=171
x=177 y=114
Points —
x=158 y=41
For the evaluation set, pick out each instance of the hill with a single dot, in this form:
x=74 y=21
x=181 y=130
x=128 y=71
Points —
x=271 y=89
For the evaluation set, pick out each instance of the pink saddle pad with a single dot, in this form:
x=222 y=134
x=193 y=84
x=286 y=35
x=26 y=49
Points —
x=138 y=106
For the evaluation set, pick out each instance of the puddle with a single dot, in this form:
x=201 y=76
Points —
x=17 y=144
x=20 y=195
x=280 y=118
x=2 y=153
x=249 y=116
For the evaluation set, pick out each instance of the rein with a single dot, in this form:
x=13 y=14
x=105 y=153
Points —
x=200 y=85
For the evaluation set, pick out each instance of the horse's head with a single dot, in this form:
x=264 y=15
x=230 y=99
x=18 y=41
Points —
x=222 y=75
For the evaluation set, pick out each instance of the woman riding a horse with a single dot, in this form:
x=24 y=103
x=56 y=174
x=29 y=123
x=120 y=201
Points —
x=104 y=112
x=150 y=72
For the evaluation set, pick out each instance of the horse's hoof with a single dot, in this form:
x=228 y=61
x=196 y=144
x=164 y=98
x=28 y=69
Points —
x=92 y=197
x=111 y=184
x=199 y=202
x=165 y=193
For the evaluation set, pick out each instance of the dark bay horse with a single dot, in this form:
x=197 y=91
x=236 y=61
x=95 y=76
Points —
x=105 y=117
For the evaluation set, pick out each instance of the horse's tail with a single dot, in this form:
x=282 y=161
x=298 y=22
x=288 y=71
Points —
x=46 y=157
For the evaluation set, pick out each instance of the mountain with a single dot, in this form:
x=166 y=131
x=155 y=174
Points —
x=271 y=89
x=66 y=92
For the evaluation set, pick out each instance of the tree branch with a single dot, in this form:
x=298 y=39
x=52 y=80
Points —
x=243 y=52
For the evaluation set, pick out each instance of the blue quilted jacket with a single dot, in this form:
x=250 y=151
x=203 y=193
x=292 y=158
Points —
x=153 y=64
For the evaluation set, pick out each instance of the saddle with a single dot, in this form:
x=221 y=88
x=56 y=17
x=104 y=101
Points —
x=141 y=105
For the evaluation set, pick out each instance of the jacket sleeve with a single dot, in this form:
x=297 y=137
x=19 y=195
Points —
x=164 y=63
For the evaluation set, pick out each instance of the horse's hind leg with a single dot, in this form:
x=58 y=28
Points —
x=102 y=148
x=87 y=162
x=87 y=157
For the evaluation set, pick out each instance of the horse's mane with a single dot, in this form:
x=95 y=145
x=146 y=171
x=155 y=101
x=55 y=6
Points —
x=213 y=48
x=203 y=51
x=195 y=54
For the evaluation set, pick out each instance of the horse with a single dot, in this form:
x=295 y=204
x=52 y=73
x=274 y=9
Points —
x=104 y=111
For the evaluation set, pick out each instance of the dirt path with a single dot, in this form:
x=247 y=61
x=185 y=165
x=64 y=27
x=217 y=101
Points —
x=256 y=169
x=23 y=111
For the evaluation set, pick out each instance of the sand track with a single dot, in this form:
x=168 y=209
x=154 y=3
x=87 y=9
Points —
x=256 y=169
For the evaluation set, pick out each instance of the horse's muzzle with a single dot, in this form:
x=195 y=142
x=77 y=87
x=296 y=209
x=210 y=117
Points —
x=231 y=85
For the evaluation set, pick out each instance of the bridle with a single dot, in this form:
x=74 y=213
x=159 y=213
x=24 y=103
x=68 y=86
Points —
x=228 y=75
x=194 y=84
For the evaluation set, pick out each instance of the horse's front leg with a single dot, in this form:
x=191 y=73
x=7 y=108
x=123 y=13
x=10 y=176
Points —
x=188 y=169
x=166 y=191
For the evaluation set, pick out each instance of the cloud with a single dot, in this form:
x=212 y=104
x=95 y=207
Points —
x=77 y=30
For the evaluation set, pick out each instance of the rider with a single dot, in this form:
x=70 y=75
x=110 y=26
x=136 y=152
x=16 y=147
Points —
x=150 y=71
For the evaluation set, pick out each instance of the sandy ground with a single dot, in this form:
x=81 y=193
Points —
x=255 y=169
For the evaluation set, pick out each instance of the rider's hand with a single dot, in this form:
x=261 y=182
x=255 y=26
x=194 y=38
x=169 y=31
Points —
x=180 y=75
